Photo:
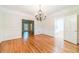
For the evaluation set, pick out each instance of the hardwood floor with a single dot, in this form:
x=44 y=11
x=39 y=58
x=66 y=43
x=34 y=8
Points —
x=35 y=44
x=70 y=48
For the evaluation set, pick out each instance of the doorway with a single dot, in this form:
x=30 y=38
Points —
x=27 y=28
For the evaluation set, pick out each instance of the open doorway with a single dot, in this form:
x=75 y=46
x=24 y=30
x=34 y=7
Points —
x=27 y=28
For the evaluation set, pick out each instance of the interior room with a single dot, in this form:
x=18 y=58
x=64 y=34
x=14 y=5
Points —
x=39 y=28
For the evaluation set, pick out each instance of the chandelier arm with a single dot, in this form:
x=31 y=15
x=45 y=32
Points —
x=40 y=15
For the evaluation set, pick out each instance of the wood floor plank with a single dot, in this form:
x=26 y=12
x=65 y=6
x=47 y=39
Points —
x=35 y=44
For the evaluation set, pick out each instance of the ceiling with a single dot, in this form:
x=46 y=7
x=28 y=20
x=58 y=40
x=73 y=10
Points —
x=47 y=9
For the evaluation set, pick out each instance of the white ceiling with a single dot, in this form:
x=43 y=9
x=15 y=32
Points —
x=47 y=9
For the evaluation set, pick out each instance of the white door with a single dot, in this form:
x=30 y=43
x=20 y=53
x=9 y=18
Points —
x=59 y=34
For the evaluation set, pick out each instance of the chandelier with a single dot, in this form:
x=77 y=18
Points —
x=40 y=15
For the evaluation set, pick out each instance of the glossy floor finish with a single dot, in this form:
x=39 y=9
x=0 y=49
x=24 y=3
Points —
x=36 y=44
x=70 y=47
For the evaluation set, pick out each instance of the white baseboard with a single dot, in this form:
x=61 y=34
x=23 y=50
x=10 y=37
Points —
x=9 y=38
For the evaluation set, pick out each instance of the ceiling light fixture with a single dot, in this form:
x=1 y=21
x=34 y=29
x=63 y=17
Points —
x=40 y=15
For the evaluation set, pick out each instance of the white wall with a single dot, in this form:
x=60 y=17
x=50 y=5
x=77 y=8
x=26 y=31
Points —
x=11 y=24
x=71 y=28
x=1 y=24
x=48 y=26
x=38 y=27
x=45 y=27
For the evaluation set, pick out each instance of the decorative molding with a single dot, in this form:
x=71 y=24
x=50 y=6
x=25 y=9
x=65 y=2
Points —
x=70 y=42
x=10 y=39
x=15 y=12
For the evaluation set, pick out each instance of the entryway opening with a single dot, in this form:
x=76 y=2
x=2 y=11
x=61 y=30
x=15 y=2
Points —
x=27 y=28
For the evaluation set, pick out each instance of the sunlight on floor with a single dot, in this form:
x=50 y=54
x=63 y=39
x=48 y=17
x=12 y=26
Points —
x=25 y=36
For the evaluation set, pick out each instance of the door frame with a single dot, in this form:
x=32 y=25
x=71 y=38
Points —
x=29 y=22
